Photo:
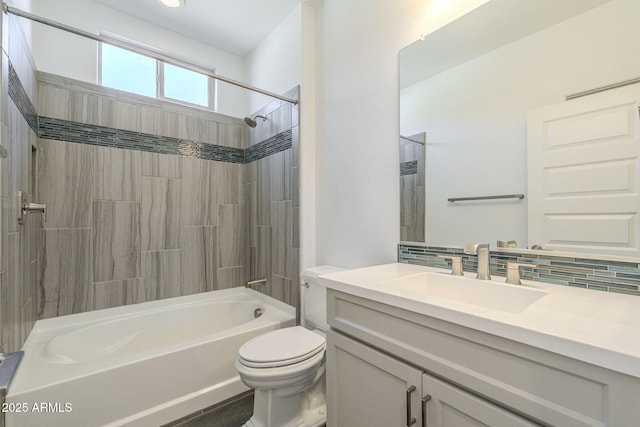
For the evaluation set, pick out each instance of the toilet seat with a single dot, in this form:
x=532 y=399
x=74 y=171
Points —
x=282 y=347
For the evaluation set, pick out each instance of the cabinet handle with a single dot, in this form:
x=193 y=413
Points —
x=425 y=400
x=410 y=420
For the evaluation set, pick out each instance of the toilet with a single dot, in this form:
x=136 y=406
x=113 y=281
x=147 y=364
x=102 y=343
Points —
x=286 y=367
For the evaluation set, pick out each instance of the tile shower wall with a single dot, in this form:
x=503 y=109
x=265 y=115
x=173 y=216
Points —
x=272 y=200
x=612 y=276
x=412 y=191
x=18 y=266
x=129 y=225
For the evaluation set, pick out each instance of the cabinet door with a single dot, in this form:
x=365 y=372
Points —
x=368 y=388
x=445 y=405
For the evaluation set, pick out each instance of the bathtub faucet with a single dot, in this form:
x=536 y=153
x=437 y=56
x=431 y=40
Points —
x=256 y=282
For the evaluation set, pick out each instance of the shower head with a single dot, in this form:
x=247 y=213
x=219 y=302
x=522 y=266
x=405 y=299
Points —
x=251 y=121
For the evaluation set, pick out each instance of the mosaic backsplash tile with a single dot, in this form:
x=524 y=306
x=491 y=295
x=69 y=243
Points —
x=611 y=276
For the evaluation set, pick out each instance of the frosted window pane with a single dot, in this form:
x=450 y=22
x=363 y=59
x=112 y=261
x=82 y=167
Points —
x=186 y=85
x=128 y=71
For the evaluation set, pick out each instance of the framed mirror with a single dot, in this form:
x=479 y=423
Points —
x=469 y=87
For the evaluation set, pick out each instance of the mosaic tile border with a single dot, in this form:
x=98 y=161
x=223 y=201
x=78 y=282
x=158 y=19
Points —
x=68 y=131
x=275 y=144
x=82 y=133
x=21 y=99
x=602 y=275
x=409 y=168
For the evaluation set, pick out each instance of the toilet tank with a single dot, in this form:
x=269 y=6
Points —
x=314 y=297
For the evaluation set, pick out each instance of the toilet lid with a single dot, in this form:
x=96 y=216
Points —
x=281 y=347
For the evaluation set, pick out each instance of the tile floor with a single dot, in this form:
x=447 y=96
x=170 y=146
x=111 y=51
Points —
x=233 y=412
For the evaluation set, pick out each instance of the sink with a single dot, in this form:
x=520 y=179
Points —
x=482 y=293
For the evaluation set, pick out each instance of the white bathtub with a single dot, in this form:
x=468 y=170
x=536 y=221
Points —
x=138 y=365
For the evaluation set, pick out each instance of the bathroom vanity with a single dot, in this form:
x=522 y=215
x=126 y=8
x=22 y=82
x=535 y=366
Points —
x=411 y=345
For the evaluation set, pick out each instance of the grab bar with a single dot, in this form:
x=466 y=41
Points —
x=506 y=196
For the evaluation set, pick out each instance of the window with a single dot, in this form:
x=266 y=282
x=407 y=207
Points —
x=136 y=73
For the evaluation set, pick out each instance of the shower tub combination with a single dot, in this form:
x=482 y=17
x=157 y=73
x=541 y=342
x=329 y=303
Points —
x=138 y=365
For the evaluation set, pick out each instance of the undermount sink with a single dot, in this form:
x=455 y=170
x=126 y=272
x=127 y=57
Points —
x=482 y=293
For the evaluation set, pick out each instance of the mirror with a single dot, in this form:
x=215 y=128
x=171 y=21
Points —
x=469 y=86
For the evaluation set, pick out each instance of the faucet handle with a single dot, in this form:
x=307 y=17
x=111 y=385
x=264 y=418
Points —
x=513 y=271
x=456 y=264
x=472 y=248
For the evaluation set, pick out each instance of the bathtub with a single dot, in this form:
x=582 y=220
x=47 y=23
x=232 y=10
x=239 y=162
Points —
x=138 y=365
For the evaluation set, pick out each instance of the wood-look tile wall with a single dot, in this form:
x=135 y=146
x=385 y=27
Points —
x=139 y=233
x=156 y=225
x=126 y=226
x=18 y=247
x=412 y=190
x=145 y=226
x=273 y=205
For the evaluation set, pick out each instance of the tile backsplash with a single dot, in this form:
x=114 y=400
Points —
x=602 y=275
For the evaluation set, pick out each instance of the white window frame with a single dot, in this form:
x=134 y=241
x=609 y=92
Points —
x=211 y=82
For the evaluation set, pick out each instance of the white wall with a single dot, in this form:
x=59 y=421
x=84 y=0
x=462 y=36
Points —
x=24 y=5
x=475 y=116
x=69 y=55
x=275 y=64
x=286 y=58
x=357 y=169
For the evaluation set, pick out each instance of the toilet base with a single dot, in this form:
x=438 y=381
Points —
x=300 y=410
x=305 y=409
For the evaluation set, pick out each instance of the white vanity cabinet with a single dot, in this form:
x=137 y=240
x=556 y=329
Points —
x=370 y=388
x=382 y=361
x=445 y=405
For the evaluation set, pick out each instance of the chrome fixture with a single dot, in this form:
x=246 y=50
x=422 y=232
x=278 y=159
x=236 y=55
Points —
x=24 y=207
x=482 y=250
x=513 y=271
x=456 y=264
x=507 y=244
x=603 y=88
x=137 y=49
x=256 y=282
x=466 y=199
x=406 y=138
x=257 y=313
x=251 y=121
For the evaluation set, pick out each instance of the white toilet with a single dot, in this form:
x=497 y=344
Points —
x=286 y=366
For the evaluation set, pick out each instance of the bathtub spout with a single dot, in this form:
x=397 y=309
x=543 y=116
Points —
x=262 y=281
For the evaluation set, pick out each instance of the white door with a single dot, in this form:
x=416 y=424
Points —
x=583 y=164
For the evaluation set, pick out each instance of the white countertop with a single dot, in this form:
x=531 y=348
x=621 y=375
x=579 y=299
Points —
x=601 y=328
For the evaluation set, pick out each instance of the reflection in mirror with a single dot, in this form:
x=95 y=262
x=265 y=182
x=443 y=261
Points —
x=412 y=206
x=471 y=85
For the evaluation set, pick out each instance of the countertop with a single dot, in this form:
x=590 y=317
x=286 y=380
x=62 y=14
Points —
x=600 y=328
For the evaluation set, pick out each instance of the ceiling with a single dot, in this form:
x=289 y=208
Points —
x=235 y=26
x=491 y=25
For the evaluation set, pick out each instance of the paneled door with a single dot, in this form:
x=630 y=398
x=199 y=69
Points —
x=583 y=174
